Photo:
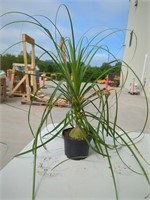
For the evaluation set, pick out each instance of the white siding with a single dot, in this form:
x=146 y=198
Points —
x=139 y=22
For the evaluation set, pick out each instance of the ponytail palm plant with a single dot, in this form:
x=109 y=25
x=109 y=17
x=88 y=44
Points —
x=73 y=60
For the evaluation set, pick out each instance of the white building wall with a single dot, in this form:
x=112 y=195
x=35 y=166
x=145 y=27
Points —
x=138 y=54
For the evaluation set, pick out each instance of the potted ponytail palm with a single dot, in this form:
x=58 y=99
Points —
x=83 y=124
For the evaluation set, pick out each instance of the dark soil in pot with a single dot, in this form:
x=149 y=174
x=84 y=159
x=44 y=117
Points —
x=74 y=148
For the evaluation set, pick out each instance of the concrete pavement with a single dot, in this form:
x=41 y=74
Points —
x=15 y=133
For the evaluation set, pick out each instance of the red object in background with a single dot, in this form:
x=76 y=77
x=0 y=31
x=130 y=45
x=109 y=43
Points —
x=106 y=82
x=133 y=87
x=9 y=74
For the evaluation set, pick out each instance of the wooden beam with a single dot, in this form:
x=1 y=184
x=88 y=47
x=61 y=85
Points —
x=27 y=38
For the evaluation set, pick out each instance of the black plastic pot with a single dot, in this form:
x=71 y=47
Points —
x=75 y=149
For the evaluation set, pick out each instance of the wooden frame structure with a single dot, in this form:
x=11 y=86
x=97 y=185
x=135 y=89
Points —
x=29 y=76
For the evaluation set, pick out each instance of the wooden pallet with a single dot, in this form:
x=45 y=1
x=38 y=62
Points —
x=39 y=99
x=37 y=103
x=42 y=100
x=62 y=103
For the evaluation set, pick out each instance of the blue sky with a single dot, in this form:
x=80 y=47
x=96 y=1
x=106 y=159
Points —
x=100 y=14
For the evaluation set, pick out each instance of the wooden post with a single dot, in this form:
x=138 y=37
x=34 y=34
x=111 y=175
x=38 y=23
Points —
x=24 y=39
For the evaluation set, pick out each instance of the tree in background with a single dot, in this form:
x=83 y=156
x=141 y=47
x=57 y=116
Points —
x=50 y=67
x=8 y=59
